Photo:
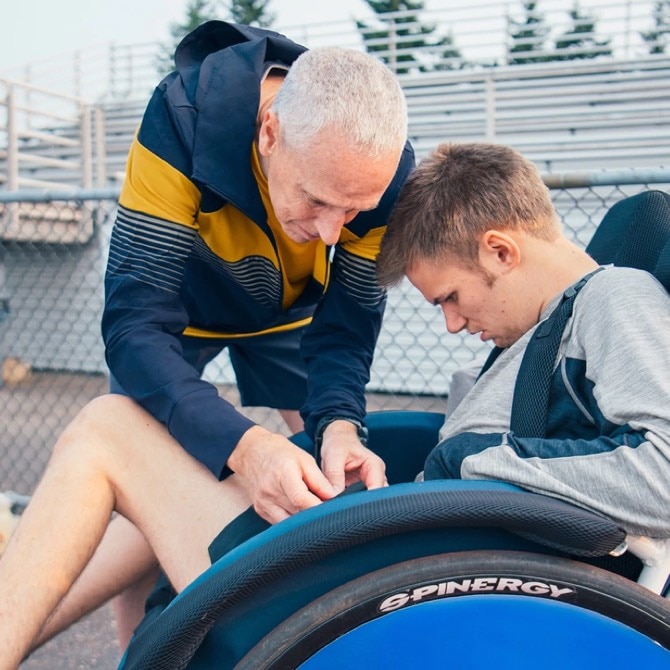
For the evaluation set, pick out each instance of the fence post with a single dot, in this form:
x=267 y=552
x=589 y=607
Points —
x=393 y=46
x=490 y=91
x=86 y=147
x=100 y=148
x=12 y=140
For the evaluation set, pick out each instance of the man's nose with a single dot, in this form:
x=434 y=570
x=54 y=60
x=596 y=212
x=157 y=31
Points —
x=329 y=225
x=455 y=322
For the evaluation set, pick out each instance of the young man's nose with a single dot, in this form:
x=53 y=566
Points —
x=455 y=322
x=329 y=225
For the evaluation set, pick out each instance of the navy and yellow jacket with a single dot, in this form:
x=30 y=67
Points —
x=193 y=252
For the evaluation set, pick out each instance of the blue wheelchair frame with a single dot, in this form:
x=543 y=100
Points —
x=254 y=588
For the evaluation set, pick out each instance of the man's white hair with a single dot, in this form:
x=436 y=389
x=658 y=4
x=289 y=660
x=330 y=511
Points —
x=346 y=92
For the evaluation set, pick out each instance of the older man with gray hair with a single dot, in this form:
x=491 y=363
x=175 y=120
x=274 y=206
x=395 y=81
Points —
x=256 y=194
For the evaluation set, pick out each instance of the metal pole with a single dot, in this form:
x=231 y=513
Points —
x=393 y=46
x=565 y=180
x=86 y=147
x=627 y=30
x=100 y=148
x=12 y=141
x=490 y=91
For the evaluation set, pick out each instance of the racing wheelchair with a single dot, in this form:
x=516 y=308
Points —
x=449 y=574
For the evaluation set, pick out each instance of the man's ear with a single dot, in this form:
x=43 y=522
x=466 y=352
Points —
x=268 y=133
x=499 y=252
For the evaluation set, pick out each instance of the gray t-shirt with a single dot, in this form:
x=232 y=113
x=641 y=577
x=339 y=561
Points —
x=607 y=446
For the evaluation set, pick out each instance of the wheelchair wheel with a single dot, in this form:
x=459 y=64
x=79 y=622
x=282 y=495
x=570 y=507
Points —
x=475 y=610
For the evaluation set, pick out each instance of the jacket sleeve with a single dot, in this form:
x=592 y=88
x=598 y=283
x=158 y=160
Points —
x=151 y=240
x=339 y=344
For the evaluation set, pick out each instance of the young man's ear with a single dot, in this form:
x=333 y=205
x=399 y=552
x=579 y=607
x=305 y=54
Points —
x=268 y=133
x=499 y=252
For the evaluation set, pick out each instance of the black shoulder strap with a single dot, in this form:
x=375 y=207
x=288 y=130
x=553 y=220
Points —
x=531 y=391
x=634 y=233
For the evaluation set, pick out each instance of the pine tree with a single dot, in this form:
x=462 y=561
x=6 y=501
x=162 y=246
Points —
x=251 y=12
x=658 y=37
x=578 y=41
x=451 y=57
x=400 y=43
x=529 y=35
x=197 y=12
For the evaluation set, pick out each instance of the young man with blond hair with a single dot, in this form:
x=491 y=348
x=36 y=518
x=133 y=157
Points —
x=475 y=231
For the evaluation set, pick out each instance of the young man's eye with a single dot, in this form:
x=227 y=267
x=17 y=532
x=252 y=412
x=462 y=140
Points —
x=445 y=300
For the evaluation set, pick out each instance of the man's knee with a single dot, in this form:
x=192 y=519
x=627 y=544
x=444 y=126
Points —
x=100 y=422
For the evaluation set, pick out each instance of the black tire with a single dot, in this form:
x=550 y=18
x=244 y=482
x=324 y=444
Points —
x=360 y=601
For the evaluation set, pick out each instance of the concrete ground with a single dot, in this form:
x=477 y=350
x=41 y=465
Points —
x=34 y=411
x=91 y=643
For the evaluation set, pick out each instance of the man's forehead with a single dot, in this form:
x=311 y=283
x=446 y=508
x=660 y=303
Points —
x=444 y=263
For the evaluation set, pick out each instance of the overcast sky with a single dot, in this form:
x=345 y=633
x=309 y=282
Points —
x=36 y=29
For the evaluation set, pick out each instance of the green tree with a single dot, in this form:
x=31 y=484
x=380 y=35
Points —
x=399 y=40
x=450 y=56
x=528 y=35
x=197 y=12
x=658 y=38
x=251 y=12
x=579 y=41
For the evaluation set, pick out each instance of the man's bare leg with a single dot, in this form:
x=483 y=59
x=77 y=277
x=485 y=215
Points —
x=292 y=419
x=123 y=561
x=113 y=456
x=128 y=605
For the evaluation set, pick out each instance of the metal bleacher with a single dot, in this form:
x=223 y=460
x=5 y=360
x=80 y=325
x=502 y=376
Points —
x=585 y=115
x=580 y=116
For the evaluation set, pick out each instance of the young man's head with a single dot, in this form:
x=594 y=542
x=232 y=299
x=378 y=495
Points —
x=331 y=141
x=474 y=229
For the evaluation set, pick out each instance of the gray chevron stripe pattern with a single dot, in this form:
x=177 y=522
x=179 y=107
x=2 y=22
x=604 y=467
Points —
x=255 y=274
x=358 y=276
x=151 y=249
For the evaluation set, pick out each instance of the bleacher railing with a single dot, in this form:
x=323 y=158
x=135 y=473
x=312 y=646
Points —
x=447 y=35
x=54 y=135
x=51 y=296
x=563 y=116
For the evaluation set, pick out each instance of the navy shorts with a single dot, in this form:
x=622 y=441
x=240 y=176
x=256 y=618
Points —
x=269 y=369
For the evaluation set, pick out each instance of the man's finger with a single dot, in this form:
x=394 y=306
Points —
x=319 y=483
x=272 y=513
x=333 y=471
x=373 y=473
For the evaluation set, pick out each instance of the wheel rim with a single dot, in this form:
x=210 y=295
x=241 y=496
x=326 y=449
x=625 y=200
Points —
x=489 y=631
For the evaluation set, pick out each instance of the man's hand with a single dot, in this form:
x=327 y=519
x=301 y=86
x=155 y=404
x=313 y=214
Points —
x=280 y=478
x=345 y=460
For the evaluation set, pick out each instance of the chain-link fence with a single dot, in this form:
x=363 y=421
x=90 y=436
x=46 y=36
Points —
x=52 y=259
